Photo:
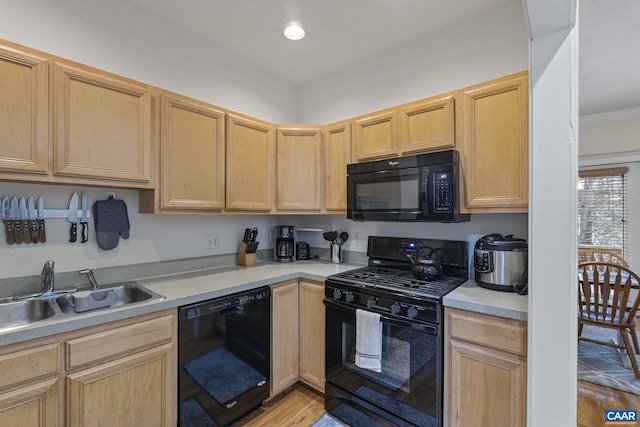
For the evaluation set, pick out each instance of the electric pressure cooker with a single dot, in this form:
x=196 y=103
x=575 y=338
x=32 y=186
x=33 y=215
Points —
x=500 y=263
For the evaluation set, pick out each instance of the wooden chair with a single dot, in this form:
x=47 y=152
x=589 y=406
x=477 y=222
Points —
x=606 y=299
x=601 y=255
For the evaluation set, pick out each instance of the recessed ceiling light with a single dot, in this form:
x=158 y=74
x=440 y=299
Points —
x=294 y=32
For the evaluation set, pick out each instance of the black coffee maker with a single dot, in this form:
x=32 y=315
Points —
x=284 y=250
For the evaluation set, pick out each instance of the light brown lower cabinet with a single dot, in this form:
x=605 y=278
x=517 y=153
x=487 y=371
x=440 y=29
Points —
x=311 y=333
x=30 y=387
x=485 y=370
x=122 y=373
x=98 y=394
x=297 y=335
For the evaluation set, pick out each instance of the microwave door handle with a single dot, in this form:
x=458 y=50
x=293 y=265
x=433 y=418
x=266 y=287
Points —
x=397 y=172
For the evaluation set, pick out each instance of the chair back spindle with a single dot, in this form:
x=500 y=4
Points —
x=608 y=297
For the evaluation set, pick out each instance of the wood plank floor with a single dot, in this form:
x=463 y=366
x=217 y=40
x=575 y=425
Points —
x=300 y=407
x=593 y=400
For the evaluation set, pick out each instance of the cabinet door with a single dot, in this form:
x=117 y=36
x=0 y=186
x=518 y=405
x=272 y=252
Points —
x=427 y=125
x=31 y=378
x=250 y=164
x=102 y=126
x=192 y=155
x=495 y=157
x=312 y=330
x=337 y=154
x=284 y=337
x=35 y=405
x=488 y=387
x=485 y=370
x=376 y=136
x=24 y=116
x=299 y=168
x=129 y=392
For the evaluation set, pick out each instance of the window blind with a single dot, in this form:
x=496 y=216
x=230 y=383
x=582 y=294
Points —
x=602 y=211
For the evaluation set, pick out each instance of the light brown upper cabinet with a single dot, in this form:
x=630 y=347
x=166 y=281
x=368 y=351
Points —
x=427 y=125
x=192 y=154
x=376 y=135
x=417 y=127
x=24 y=92
x=251 y=156
x=337 y=153
x=101 y=126
x=299 y=168
x=495 y=157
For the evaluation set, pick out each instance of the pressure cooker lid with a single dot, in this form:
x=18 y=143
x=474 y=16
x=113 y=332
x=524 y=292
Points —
x=498 y=242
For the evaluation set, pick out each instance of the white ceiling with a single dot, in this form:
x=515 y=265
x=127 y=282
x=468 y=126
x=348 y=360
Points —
x=343 y=32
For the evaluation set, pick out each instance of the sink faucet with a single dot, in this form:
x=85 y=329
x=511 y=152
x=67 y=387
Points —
x=47 y=277
x=92 y=280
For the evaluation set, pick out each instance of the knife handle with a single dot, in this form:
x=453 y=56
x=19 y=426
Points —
x=26 y=231
x=17 y=231
x=34 y=230
x=8 y=228
x=73 y=233
x=85 y=235
x=42 y=235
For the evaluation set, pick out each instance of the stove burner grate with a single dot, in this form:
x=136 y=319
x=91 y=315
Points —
x=399 y=280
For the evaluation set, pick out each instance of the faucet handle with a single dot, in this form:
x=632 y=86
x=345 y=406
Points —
x=92 y=280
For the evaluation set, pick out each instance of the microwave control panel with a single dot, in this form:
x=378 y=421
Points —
x=442 y=192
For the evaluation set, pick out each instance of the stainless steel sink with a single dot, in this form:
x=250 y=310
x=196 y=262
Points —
x=114 y=296
x=14 y=314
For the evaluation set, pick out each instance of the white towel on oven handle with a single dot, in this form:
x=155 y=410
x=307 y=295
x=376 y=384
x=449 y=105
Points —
x=368 y=340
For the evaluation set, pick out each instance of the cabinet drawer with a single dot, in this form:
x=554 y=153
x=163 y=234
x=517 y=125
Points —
x=27 y=365
x=117 y=342
x=489 y=331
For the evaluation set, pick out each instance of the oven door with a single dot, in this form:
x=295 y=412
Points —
x=408 y=391
x=387 y=194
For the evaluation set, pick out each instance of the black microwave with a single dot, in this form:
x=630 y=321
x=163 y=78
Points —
x=423 y=187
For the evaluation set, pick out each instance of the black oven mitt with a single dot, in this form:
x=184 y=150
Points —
x=112 y=221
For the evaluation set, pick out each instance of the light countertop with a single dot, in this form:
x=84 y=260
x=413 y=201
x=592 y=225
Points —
x=470 y=296
x=187 y=288
x=182 y=289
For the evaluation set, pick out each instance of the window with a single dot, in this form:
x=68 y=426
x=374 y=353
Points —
x=602 y=209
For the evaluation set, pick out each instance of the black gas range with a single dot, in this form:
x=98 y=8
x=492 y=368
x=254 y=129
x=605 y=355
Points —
x=408 y=388
x=389 y=286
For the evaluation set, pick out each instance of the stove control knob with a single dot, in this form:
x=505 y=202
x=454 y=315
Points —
x=412 y=312
x=337 y=294
x=372 y=302
x=348 y=297
x=395 y=308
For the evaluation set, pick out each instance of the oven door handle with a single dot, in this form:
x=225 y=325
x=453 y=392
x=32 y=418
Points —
x=430 y=329
x=363 y=409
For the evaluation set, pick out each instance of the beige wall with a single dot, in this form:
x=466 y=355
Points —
x=599 y=135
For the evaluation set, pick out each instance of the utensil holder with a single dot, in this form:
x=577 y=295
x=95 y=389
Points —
x=337 y=256
x=245 y=259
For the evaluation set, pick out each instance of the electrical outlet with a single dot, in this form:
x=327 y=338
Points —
x=212 y=241
x=357 y=238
